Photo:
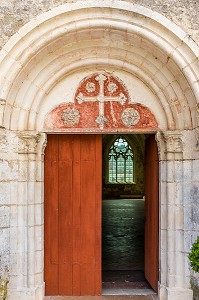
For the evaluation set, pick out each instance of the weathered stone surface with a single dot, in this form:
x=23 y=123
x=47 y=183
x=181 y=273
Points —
x=14 y=14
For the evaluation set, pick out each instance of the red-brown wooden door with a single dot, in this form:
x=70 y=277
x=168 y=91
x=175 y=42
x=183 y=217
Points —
x=151 y=212
x=72 y=215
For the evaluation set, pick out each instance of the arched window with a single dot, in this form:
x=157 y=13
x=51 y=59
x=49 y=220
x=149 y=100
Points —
x=121 y=162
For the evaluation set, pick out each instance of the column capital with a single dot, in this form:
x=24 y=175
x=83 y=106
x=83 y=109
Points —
x=170 y=145
x=31 y=142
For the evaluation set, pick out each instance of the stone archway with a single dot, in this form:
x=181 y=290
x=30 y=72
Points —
x=56 y=50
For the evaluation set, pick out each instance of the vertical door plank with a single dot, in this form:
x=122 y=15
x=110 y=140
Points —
x=88 y=215
x=65 y=216
x=151 y=212
x=51 y=260
x=98 y=214
x=76 y=218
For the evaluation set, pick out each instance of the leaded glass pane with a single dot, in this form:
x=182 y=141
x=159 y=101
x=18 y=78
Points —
x=120 y=162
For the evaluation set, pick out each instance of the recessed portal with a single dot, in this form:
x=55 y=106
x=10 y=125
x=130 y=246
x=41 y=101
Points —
x=123 y=212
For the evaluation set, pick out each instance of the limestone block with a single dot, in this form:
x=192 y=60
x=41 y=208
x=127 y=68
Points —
x=163 y=170
x=4 y=266
x=13 y=192
x=39 y=214
x=31 y=258
x=38 y=279
x=5 y=193
x=178 y=167
x=31 y=239
x=31 y=186
x=23 y=169
x=4 y=241
x=179 y=240
x=13 y=264
x=179 y=193
x=171 y=194
x=179 y=294
x=39 y=192
x=39 y=237
x=187 y=170
x=163 y=217
x=31 y=171
x=22 y=193
x=22 y=216
x=4 y=216
x=8 y=170
x=163 y=240
x=39 y=171
x=13 y=280
x=163 y=192
x=195 y=170
x=13 y=216
x=31 y=215
x=163 y=268
x=170 y=171
x=191 y=217
x=39 y=265
x=13 y=240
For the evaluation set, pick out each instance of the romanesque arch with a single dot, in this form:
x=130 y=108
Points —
x=41 y=67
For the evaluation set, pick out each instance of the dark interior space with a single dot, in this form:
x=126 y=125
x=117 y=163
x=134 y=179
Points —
x=123 y=219
x=123 y=244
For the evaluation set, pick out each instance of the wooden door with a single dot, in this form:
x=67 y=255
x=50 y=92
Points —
x=151 y=212
x=72 y=215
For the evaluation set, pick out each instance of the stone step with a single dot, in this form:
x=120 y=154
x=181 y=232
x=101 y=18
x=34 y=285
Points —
x=108 y=297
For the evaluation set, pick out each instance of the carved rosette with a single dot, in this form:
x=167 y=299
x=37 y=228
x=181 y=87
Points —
x=130 y=117
x=112 y=87
x=70 y=116
x=101 y=120
x=90 y=87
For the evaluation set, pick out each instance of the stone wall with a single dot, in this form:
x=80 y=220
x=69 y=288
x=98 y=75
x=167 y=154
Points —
x=15 y=13
x=21 y=156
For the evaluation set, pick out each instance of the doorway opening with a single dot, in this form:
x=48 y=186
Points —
x=124 y=240
x=72 y=213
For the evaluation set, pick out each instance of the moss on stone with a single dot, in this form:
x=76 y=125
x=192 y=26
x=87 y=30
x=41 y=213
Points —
x=3 y=288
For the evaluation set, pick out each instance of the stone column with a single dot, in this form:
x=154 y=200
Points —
x=26 y=219
x=175 y=166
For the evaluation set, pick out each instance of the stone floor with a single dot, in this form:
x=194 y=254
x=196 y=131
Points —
x=123 y=244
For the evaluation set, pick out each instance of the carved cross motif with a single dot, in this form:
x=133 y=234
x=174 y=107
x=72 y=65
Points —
x=101 y=98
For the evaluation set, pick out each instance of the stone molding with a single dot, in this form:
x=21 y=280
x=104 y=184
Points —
x=88 y=16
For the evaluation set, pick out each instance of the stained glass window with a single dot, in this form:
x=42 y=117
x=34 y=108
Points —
x=121 y=162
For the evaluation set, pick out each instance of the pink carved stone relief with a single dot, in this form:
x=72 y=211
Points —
x=101 y=103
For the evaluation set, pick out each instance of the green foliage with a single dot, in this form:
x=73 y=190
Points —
x=194 y=256
x=3 y=284
x=3 y=288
